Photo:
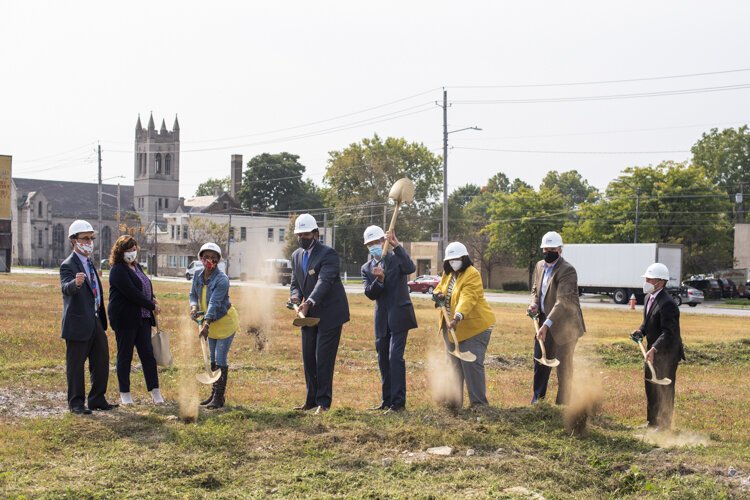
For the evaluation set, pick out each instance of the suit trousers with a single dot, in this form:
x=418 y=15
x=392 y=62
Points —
x=660 y=398
x=319 y=350
x=470 y=373
x=140 y=338
x=564 y=353
x=390 y=349
x=96 y=350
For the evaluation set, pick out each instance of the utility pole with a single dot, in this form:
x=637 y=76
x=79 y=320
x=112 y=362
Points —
x=738 y=198
x=441 y=251
x=118 y=208
x=325 y=228
x=229 y=243
x=385 y=215
x=637 y=212
x=99 y=203
x=156 y=236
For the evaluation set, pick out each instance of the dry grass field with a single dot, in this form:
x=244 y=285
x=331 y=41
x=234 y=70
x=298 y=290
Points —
x=258 y=447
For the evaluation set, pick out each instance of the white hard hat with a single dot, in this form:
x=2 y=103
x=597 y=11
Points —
x=210 y=246
x=455 y=250
x=551 y=239
x=373 y=233
x=305 y=223
x=658 y=271
x=80 y=226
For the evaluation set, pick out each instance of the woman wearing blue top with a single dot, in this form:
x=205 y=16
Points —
x=210 y=293
x=132 y=306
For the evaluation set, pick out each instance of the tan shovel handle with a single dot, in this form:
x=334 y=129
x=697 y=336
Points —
x=650 y=365
x=299 y=313
x=387 y=245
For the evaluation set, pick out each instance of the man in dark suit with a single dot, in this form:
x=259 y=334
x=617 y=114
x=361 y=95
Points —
x=384 y=278
x=554 y=298
x=84 y=322
x=316 y=286
x=661 y=327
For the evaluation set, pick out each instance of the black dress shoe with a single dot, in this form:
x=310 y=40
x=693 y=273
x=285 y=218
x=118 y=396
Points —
x=80 y=410
x=321 y=410
x=381 y=406
x=394 y=409
x=105 y=407
x=304 y=407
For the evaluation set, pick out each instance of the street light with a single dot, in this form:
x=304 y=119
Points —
x=445 y=178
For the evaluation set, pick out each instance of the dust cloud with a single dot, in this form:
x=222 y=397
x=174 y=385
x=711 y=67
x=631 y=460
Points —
x=445 y=384
x=585 y=397
x=187 y=355
x=674 y=439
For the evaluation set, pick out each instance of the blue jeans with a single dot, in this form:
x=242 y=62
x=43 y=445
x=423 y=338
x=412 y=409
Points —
x=219 y=349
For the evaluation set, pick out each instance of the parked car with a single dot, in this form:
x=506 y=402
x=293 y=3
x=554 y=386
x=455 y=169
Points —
x=686 y=295
x=277 y=271
x=728 y=288
x=104 y=264
x=709 y=286
x=197 y=265
x=425 y=283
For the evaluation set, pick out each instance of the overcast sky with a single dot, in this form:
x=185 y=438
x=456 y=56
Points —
x=309 y=77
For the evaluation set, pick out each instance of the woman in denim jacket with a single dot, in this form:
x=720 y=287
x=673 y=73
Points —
x=210 y=293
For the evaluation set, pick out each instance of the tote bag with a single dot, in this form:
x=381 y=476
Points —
x=160 y=345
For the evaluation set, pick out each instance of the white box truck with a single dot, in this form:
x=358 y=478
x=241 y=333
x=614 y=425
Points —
x=615 y=269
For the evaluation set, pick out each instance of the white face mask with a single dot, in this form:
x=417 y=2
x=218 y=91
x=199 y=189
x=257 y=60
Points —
x=85 y=248
x=456 y=264
x=648 y=287
x=130 y=256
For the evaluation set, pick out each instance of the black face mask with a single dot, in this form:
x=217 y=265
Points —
x=305 y=243
x=550 y=257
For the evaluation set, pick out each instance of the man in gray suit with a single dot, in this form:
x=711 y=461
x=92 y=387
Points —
x=554 y=297
x=84 y=323
x=384 y=278
x=316 y=286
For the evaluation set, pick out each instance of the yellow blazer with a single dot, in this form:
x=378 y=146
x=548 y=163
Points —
x=468 y=299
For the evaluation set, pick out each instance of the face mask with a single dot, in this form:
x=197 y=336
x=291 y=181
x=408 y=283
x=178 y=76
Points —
x=456 y=264
x=85 y=248
x=648 y=287
x=208 y=264
x=130 y=256
x=550 y=257
x=376 y=251
x=305 y=243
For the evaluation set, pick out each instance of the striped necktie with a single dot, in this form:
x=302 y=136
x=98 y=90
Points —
x=94 y=284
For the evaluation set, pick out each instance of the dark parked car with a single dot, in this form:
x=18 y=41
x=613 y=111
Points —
x=710 y=287
x=424 y=284
x=728 y=288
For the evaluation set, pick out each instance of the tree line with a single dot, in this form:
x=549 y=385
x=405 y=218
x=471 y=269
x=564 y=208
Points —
x=691 y=203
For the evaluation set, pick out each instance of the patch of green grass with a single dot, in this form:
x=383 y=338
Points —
x=725 y=353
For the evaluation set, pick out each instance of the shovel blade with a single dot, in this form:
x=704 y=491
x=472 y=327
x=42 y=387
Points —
x=306 y=321
x=208 y=377
x=548 y=362
x=469 y=357
x=659 y=381
x=402 y=191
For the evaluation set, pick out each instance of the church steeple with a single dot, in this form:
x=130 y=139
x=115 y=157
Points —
x=176 y=125
x=138 y=126
x=151 y=126
x=163 y=129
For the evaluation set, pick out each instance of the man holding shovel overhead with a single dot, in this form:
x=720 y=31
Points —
x=317 y=290
x=384 y=277
x=557 y=316
x=661 y=327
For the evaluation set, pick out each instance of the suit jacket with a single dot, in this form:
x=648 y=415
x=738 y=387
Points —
x=561 y=304
x=78 y=303
x=661 y=326
x=320 y=283
x=393 y=308
x=468 y=299
x=126 y=298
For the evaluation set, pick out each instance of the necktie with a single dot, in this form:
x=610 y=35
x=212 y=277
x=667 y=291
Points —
x=650 y=303
x=94 y=285
x=305 y=259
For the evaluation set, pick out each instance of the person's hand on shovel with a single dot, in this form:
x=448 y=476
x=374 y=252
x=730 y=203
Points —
x=439 y=299
x=203 y=332
x=650 y=355
x=391 y=237
x=304 y=308
x=542 y=335
x=379 y=274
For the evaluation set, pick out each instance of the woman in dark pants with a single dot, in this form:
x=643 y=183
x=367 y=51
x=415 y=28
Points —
x=132 y=306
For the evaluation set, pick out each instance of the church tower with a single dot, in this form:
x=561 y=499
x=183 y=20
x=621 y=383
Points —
x=157 y=169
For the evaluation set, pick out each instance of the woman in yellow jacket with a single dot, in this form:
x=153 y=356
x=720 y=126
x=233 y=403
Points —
x=461 y=292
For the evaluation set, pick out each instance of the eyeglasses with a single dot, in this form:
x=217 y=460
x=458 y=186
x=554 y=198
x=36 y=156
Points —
x=87 y=238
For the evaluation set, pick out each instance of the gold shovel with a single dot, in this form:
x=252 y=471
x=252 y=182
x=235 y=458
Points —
x=402 y=191
x=467 y=356
x=543 y=360
x=653 y=379
x=209 y=377
x=302 y=320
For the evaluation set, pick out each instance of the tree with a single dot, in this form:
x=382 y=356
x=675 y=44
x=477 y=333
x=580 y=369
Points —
x=359 y=179
x=574 y=188
x=519 y=220
x=477 y=237
x=678 y=204
x=208 y=188
x=202 y=230
x=273 y=183
x=725 y=155
x=290 y=243
x=498 y=183
x=518 y=184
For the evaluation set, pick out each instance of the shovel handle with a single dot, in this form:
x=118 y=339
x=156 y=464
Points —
x=536 y=329
x=650 y=365
x=387 y=244
x=299 y=313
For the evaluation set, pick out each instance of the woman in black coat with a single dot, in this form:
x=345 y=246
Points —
x=132 y=306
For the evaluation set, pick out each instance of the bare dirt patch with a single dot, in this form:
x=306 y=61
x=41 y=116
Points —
x=30 y=403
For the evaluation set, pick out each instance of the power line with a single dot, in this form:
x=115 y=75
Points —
x=599 y=82
x=636 y=95
x=538 y=151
